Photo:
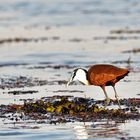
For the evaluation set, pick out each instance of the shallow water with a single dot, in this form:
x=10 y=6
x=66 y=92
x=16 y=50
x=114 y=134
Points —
x=85 y=130
x=61 y=12
x=63 y=35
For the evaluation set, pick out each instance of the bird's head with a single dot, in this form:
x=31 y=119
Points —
x=79 y=74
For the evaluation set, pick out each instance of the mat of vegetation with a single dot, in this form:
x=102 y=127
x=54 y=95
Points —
x=60 y=109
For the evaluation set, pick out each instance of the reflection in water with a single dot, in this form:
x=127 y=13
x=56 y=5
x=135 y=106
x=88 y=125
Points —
x=81 y=131
x=100 y=129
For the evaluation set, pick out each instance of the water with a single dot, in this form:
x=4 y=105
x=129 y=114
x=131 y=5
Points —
x=64 y=35
x=103 y=130
x=61 y=12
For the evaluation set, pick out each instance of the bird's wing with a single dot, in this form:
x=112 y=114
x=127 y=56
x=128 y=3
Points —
x=105 y=74
x=101 y=79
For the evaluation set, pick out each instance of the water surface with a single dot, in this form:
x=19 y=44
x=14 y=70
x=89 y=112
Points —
x=47 y=39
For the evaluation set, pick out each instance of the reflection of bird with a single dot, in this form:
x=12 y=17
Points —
x=100 y=75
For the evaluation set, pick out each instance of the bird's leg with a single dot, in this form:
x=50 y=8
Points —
x=116 y=96
x=107 y=98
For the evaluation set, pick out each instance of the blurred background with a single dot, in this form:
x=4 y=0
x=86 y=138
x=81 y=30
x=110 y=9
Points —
x=70 y=12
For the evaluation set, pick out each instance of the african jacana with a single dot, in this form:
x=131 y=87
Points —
x=100 y=75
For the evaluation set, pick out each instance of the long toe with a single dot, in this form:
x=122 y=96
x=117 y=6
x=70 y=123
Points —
x=107 y=101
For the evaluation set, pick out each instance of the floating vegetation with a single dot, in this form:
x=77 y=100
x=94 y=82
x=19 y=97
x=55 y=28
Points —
x=77 y=40
x=135 y=50
x=62 y=109
x=13 y=64
x=51 y=66
x=125 y=31
x=21 y=81
x=19 y=39
x=19 y=92
x=70 y=91
x=26 y=40
x=116 y=38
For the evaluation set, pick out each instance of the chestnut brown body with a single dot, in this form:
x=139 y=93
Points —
x=105 y=75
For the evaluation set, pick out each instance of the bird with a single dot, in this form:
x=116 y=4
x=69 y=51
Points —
x=101 y=75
